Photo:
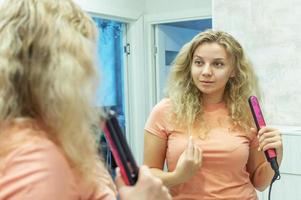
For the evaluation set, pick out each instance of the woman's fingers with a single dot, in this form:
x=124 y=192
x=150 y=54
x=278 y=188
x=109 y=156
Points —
x=190 y=148
x=199 y=155
x=274 y=145
x=194 y=153
x=269 y=138
x=196 y=156
x=266 y=129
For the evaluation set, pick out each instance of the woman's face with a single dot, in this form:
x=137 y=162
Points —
x=211 y=69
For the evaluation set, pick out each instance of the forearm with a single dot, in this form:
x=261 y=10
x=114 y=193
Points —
x=264 y=173
x=169 y=179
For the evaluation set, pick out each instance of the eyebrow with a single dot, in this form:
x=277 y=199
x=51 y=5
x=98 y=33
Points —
x=215 y=59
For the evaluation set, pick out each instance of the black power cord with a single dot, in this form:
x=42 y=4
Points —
x=276 y=176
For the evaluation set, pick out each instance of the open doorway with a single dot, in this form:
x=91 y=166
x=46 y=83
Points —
x=169 y=38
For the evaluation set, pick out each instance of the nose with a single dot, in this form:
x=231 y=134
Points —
x=207 y=71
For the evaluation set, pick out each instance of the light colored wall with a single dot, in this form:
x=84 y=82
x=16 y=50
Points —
x=270 y=33
x=178 y=10
x=127 y=9
x=159 y=6
x=124 y=9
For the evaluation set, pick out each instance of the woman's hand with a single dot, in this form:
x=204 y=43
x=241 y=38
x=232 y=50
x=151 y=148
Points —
x=258 y=167
x=148 y=187
x=269 y=138
x=189 y=162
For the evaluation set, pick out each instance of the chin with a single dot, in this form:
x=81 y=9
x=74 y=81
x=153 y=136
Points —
x=206 y=91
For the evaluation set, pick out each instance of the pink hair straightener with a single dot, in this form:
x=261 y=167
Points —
x=270 y=154
x=120 y=149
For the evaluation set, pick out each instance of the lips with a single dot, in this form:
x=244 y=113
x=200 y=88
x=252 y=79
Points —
x=207 y=82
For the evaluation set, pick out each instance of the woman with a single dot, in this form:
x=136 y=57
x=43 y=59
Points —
x=48 y=80
x=204 y=129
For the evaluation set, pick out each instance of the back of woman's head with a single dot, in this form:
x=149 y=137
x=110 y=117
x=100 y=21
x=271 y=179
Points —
x=48 y=73
x=46 y=48
x=187 y=96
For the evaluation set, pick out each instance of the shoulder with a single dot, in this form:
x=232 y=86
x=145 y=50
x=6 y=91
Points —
x=35 y=169
x=161 y=111
x=35 y=146
x=159 y=120
x=163 y=105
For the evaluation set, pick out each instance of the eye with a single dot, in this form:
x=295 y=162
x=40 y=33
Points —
x=198 y=62
x=218 y=64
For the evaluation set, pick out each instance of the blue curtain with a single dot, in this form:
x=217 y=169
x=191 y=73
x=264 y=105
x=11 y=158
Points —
x=110 y=93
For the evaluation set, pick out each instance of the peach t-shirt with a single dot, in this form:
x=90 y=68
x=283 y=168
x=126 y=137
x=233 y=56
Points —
x=223 y=173
x=38 y=170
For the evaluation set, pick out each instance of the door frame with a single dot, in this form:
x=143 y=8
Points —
x=150 y=21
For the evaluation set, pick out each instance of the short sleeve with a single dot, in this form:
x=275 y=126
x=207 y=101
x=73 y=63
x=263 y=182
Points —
x=36 y=171
x=157 y=120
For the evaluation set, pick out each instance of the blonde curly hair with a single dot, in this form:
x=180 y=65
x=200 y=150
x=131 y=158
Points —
x=47 y=73
x=187 y=98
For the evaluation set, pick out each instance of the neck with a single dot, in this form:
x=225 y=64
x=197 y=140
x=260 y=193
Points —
x=212 y=100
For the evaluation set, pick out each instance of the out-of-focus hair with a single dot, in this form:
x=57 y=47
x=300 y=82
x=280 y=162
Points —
x=187 y=98
x=47 y=73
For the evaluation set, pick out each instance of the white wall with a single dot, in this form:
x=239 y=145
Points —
x=126 y=9
x=160 y=6
x=176 y=10
x=270 y=33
